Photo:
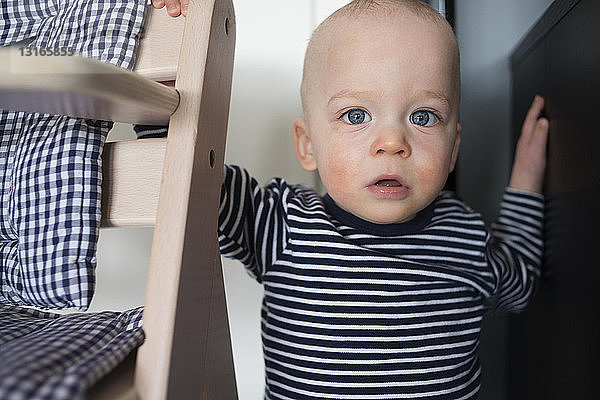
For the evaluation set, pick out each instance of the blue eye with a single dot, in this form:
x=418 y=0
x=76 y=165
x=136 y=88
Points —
x=423 y=118
x=356 y=116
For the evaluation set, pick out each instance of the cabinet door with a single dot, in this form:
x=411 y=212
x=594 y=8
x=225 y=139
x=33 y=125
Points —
x=555 y=343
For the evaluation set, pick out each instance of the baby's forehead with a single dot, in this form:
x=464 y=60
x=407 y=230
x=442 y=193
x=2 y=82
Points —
x=396 y=35
x=379 y=26
x=393 y=23
x=355 y=32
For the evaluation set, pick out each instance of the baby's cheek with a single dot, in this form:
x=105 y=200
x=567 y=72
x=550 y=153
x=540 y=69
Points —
x=432 y=176
x=428 y=173
x=340 y=175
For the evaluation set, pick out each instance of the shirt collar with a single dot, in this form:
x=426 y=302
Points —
x=416 y=224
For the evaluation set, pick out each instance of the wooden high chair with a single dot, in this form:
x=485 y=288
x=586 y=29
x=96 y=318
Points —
x=173 y=183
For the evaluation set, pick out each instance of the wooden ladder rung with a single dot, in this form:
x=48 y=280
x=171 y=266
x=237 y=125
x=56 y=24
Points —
x=82 y=87
x=132 y=173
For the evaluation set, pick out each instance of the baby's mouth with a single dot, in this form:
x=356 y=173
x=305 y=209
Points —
x=389 y=187
x=388 y=183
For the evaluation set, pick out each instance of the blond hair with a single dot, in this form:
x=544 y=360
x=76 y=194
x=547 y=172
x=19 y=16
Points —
x=417 y=7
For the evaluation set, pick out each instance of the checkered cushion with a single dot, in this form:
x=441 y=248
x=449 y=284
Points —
x=48 y=356
x=50 y=166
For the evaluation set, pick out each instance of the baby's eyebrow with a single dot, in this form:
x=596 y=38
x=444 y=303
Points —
x=355 y=94
x=369 y=94
x=436 y=95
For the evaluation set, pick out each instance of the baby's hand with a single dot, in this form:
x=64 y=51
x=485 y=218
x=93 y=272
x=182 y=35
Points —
x=174 y=7
x=530 y=156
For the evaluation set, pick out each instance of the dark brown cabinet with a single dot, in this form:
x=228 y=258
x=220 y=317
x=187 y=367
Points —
x=554 y=346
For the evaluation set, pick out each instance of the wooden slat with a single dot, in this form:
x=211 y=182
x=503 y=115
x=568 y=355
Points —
x=158 y=53
x=132 y=171
x=219 y=371
x=183 y=290
x=82 y=87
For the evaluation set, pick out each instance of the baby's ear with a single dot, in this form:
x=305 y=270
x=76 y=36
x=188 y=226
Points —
x=303 y=145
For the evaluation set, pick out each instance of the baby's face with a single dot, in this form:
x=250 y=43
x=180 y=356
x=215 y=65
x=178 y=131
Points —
x=382 y=116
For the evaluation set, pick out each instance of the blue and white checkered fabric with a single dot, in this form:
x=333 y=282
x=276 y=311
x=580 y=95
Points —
x=49 y=356
x=50 y=166
x=50 y=182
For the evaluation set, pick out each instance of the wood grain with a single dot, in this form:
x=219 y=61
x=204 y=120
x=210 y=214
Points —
x=132 y=172
x=158 y=53
x=184 y=268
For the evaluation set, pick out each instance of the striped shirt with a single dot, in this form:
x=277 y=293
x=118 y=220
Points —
x=356 y=310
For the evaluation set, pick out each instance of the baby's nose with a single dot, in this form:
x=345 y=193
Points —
x=391 y=142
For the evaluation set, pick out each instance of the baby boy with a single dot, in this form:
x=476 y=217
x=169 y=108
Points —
x=377 y=289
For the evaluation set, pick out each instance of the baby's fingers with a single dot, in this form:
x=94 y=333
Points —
x=534 y=136
x=540 y=134
x=174 y=7
x=530 y=157
x=158 y=3
x=536 y=148
x=533 y=116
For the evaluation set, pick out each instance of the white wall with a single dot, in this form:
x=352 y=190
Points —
x=271 y=39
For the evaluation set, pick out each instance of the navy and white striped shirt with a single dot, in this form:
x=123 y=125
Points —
x=356 y=310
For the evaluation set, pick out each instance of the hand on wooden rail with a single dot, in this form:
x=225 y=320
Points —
x=174 y=7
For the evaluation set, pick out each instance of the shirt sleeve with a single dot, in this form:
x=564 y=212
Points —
x=515 y=249
x=252 y=220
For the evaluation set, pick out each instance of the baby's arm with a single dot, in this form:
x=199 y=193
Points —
x=516 y=243
x=253 y=224
x=174 y=7
x=530 y=157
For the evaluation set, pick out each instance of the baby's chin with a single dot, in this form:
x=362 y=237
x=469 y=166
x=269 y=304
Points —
x=377 y=212
x=386 y=219
x=381 y=216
